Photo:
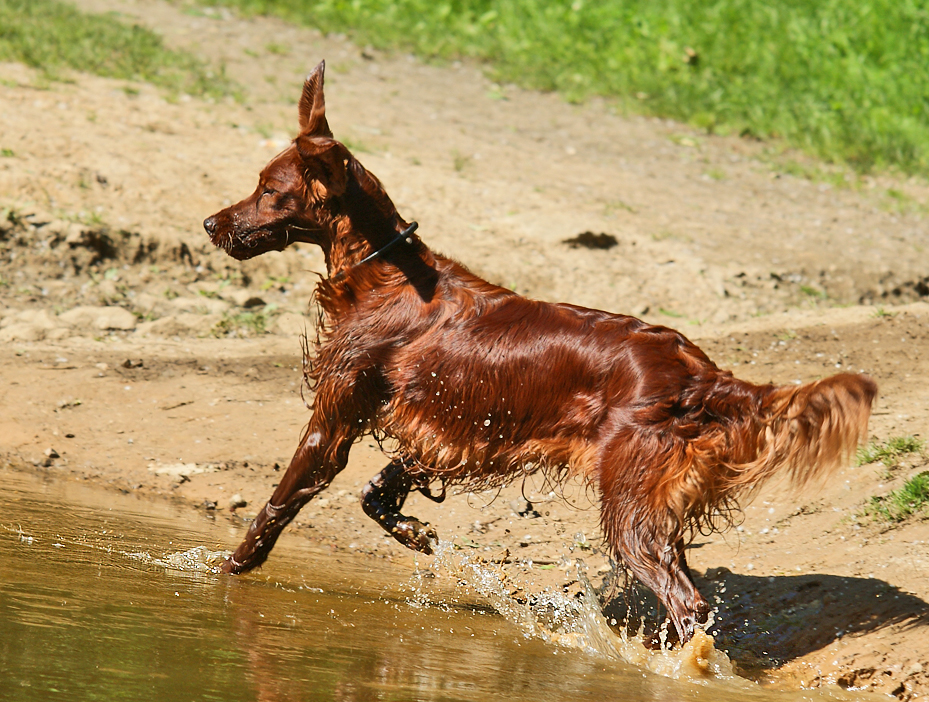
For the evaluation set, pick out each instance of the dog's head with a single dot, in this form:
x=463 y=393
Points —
x=295 y=190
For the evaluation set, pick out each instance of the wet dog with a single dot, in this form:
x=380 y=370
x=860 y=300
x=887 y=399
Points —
x=478 y=386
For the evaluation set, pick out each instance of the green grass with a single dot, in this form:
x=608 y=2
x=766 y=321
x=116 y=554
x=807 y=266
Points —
x=812 y=292
x=911 y=499
x=890 y=451
x=242 y=324
x=55 y=36
x=460 y=161
x=844 y=79
x=670 y=313
x=275 y=281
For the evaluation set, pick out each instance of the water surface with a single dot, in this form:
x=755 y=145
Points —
x=107 y=597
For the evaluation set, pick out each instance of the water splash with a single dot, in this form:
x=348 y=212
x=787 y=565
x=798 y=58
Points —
x=199 y=559
x=576 y=622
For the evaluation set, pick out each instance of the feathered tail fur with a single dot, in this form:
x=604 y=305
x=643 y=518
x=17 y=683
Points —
x=697 y=473
x=808 y=430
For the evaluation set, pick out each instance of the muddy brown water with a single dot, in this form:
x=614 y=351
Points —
x=103 y=596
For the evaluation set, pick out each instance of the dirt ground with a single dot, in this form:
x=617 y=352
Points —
x=131 y=353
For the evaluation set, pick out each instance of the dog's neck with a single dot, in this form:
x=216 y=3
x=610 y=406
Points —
x=404 y=237
x=348 y=244
x=357 y=224
x=368 y=232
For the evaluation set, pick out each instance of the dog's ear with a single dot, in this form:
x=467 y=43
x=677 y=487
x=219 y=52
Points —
x=325 y=164
x=324 y=159
x=313 y=105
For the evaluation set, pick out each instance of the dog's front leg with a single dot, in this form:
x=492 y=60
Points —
x=322 y=454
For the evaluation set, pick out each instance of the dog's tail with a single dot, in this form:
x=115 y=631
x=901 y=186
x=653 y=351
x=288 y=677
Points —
x=696 y=478
x=807 y=430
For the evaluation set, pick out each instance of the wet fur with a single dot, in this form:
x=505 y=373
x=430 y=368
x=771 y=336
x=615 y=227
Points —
x=477 y=385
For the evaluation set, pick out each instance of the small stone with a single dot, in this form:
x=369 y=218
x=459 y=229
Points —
x=22 y=331
x=102 y=318
x=51 y=453
x=524 y=508
x=719 y=573
x=180 y=325
x=236 y=501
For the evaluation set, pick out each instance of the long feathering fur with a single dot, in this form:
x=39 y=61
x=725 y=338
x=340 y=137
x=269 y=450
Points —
x=813 y=428
x=802 y=433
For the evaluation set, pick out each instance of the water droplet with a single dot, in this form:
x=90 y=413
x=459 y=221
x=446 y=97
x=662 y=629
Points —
x=486 y=422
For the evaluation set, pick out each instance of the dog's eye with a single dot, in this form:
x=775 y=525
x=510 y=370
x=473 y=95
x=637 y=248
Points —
x=266 y=191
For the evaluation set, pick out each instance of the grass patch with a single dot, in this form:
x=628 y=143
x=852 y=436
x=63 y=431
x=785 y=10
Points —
x=277 y=49
x=843 y=79
x=460 y=161
x=54 y=36
x=889 y=452
x=783 y=160
x=670 y=313
x=242 y=324
x=899 y=202
x=813 y=293
x=911 y=499
x=612 y=206
x=356 y=145
x=275 y=281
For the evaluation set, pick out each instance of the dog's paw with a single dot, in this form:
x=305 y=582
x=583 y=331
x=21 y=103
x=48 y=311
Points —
x=232 y=567
x=413 y=534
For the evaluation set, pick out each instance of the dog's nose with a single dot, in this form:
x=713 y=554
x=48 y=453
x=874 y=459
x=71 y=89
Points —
x=210 y=225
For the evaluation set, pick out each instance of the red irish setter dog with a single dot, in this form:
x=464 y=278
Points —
x=478 y=386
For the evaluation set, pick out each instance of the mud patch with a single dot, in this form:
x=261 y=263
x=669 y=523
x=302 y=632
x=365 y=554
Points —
x=589 y=240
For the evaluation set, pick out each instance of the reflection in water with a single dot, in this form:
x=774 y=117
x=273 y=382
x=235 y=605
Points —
x=105 y=597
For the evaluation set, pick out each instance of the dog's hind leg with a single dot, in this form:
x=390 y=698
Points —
x=382 y=499
x=674 y=585
x=659 y=563
x=648 y=539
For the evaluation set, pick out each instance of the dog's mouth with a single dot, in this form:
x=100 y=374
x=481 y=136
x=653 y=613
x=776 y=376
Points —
x=254 y=243
x=246 y=245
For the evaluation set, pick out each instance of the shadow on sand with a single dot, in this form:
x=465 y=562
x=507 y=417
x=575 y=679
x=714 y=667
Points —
x=764 y=622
